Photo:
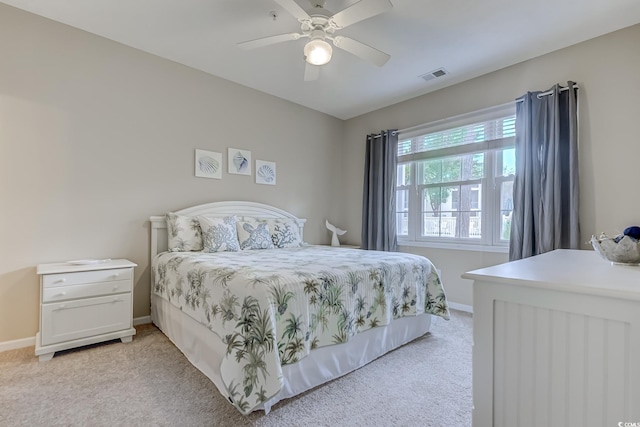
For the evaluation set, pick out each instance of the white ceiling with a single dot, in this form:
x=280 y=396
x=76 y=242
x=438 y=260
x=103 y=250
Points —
x=466 y=37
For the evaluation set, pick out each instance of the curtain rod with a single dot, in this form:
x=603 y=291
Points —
x=457 y=117
x=392 y=133
x=550 y=92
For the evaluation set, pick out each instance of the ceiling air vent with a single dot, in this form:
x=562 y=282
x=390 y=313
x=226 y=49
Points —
x=434 y=74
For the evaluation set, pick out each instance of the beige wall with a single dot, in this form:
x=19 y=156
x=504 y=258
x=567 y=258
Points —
x=95 y=137
x=607 y=70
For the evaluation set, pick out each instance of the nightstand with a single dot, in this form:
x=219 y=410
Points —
x=84 y=302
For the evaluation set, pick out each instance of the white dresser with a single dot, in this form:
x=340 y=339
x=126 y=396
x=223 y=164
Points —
x=556 y=342
x=83 y=304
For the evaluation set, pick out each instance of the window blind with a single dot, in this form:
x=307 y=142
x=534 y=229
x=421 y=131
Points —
x=476 y=133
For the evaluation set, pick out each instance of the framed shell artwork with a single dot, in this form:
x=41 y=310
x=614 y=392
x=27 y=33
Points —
x=265 y=172
x=208 y=164
x=239 y=161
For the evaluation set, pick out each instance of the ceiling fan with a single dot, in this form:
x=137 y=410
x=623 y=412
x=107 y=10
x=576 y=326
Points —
x=320 y=25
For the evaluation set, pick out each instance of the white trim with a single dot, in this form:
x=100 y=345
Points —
x=456 y=150
x=454 y=246
x=16 y=344
x=464 y=119
x=143 y=320
x=461 y=307
x=31 y=341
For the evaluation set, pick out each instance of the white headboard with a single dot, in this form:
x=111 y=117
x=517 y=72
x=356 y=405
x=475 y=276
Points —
x=216 y=209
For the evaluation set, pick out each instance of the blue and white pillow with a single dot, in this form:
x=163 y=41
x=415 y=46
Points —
x=254 y=234
x=183 y=233
x=219 y=234
x=285 y=233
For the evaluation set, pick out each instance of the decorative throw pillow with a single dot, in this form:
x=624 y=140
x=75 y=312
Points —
x=183 y=233
x=285 y=233
x=254 y=234
x=219 y=234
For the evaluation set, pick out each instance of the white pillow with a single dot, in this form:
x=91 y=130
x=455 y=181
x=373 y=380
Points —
x=254 y=234
x=183 y=233
x=285 y=233
x=219 y=234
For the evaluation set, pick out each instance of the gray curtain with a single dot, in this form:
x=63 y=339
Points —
x=379 y=196
x=545 y=188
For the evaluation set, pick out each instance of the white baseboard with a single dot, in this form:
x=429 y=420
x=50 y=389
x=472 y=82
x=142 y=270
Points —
x=141 y=320
x=16 y=344
x=461 y=307
x=26 y=342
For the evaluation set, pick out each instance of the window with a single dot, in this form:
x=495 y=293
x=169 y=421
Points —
x=455 y=180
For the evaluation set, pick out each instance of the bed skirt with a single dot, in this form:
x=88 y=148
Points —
x=205 y=350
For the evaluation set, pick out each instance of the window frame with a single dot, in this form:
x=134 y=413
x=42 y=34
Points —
x=491 y=182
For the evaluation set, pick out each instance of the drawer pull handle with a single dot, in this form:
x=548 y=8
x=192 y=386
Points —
x=117 y=300
x=116 y=275
x=61 y=294
x=61 y=280
x=115 y=288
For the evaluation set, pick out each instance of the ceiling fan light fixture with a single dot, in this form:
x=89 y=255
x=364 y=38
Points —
x=317 y=52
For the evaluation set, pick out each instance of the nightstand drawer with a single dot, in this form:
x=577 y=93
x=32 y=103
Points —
x=71 y=320
x=62 y=293
x=84 y=277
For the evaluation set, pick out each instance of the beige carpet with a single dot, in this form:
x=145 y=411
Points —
x=150 y=383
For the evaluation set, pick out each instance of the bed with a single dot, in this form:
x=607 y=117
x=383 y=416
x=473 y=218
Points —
x=268 y=316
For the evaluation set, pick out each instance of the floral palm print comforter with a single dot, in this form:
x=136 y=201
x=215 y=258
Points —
x=272 y=307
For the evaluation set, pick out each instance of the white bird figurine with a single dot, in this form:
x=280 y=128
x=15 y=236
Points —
x=336 y=232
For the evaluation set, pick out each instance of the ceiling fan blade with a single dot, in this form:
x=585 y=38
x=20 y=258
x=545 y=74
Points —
x=311 y=72
x=361 y=50
x=266 y=41
x=360 y=11
x=294 y=9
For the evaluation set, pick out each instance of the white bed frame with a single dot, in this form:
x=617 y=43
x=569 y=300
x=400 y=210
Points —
x=217 y=209
x=205 y=350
